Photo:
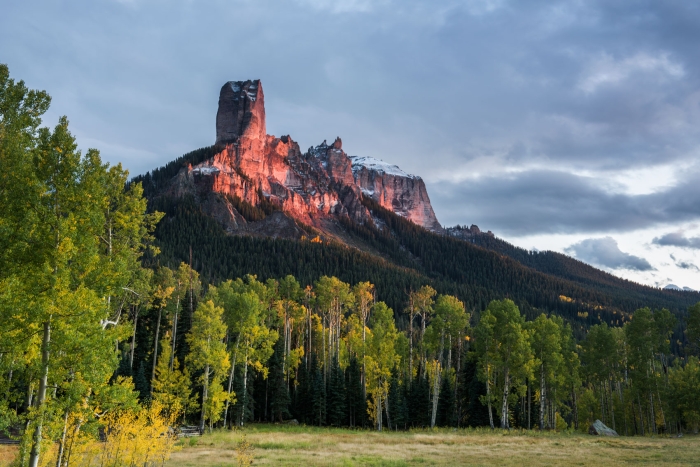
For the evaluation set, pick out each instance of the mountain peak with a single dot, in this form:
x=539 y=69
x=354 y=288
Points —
x=257 y=168
x=241 y=112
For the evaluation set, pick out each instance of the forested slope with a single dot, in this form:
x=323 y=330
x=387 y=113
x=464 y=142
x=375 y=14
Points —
x=409 y=257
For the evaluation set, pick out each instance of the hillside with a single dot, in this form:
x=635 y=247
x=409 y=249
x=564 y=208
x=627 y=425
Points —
x=400 y=257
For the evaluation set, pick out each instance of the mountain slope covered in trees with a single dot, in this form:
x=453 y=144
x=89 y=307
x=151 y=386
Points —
x=398 y=256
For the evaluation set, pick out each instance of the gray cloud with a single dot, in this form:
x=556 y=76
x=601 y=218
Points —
x=542 y=201
x=677 y=239
x=432 y=86
x=596 y=84
x=605 y=252
x=684 y=264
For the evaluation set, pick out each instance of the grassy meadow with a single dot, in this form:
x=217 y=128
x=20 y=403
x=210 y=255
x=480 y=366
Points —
x=308 y=446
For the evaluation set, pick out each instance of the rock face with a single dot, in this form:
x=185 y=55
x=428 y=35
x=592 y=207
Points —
x=241 y=112
x=322 y=183
x=395 y=190
x=598 y=428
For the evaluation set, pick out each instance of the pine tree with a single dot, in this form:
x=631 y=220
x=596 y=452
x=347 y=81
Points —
x=141 y=383
x=318 y=396
x=419 y=402
x=476 y=413
x=336 y=395
x=302 y=395
x=279 y=392
x=356 y=403
x=446 y=405
x=397 y=402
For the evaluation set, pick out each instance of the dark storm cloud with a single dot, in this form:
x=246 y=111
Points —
x=535 y=202
x=605 y=252
x=677 y=239
x=429 y=85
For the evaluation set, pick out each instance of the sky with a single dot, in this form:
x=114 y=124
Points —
x=571 y=126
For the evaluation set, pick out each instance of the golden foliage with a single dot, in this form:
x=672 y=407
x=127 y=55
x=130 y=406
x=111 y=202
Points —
x=244 y=452
x=137 y=438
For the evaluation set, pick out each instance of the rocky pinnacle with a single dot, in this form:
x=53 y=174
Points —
x=241 y=112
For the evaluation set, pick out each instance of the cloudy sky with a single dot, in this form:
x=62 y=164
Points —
x=572 y=126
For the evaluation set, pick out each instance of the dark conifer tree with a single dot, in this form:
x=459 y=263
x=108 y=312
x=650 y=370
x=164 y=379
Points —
x=124 y=369
x=278 y=391
x=476 y=413
x=248 y=410
x=397 y=403
x=446 y=412
x=141 y=383
x=356 y=405
x=302 y=395
x=318 y=396
x=336 y=400
x=419 y=403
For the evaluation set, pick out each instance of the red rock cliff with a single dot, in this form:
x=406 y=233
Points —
x=309 y=186
x=395 y=190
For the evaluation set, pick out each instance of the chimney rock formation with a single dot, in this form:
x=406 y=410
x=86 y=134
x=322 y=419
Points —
x=241 y=112
x=311 y=187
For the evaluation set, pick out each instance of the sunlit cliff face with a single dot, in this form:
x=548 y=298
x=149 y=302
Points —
x=310 y=186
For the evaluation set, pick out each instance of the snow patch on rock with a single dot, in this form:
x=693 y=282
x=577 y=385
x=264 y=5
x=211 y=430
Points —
x=377 y=165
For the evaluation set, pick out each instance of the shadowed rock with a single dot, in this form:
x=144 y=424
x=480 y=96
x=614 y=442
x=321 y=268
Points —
x=598 y=428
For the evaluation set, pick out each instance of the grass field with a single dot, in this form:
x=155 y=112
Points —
x=306 y=446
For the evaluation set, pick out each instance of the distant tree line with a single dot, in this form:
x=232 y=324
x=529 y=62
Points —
x=330 y=354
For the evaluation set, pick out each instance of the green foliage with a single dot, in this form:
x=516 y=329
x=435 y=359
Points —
x=171 y=386
x=72 y=237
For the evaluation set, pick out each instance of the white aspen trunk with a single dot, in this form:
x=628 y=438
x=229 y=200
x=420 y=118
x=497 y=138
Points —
x=488 y=400
x=172 y=353
x=230 y=381
x=155 y=351
x=245 y=384
x=612 y=404
x=504 y=406
x=205 y=396
x=286 y=338
x=437 y=380
x=308 y=355
x=133 y=340
x=529 y=404
x=70 y=448
x=422 y=341
x=449 y=354
x=62 y=444
x=602 y=402
x=436 y=393
x=41 y=396
x=388 y=416
x=364 y=383
x=543 y=396
x=323 y=332
x=410 y=350
x=379 y=411
x=652 y=412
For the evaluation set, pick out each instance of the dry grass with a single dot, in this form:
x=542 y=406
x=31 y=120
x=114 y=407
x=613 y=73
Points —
x=8 y=452
x=306 y=446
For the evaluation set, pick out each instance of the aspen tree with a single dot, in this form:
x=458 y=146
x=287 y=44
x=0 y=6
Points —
x=208 y=353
